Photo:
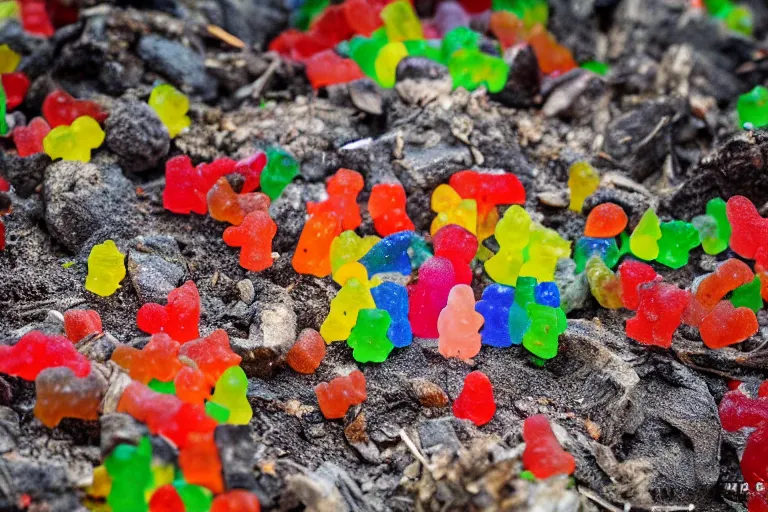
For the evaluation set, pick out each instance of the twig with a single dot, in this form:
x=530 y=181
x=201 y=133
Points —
x=415 y=451
x=588 y=493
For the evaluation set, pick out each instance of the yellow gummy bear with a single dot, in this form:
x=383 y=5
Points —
x=512 y=234
x=355 y=294
x=348 y=247
x=9 y=59
x=171 y=106
x=105 y=269
x=230 y=392
x=162 y=474
x=9 y=9
x=583 y=180
x=101 y=485
x=401 y=22
x=386 y=63
x=452 y=209
x=74 y=142
x=545 y=247
x=603 y=283
x=644 y=241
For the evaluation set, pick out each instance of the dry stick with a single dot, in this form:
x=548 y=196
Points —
x=414 y=450
x=590 y=494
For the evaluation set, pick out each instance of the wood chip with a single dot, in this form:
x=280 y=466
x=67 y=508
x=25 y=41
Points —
x=223 y=35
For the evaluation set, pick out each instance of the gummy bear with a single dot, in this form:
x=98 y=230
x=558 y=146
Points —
x=512 y=234
x=343 y=188
x=254 y=236
x=328 y=68
x=459 y=246
x=644 y=241
x=236 y=500
x=475 y=402
x=179 y=318
x=212 y=355
x=739 y=411
x=752 y=108
x=307 y=352
x=458 y=325
x=312 y=254
x=604 y=284
x=60 y=394
x=157 y=360
x=166 y=499
x=659 y=313
x=195 y=498
x=401 y=22
x=508 y=28
x=543 y=455
x=337 y=396
x=362 y=16
x=606 y=220
x=171 y=106
x=753 y=466
x=583 y=180
x=547 y=294
x=35 y=18
x=191 y=385
x=350 y=247
x=546 y=326
x=129 y=468
x=553 y=58
x=101 y=485
x=217 y=412
x=3 y=110
x=80 y=323
x=15 y=85
x=226 y=205
x=106 y=269
x=471 y=68
x=726 y=325
x=545 y=248
x=494 y=306
x=386 y=205
x=200 y=462
x=586 y=247
x=387 y=59
x=748 y=295
x=59 y=108
x=393 y=298
x=452 y=209
x=389 y=255
x=184 y=191
x=280 y=170
x=728 y=276
x=74 y=142
x=749 y=231
x=488 y=190
x=456 y=39
x=368 y=338
x=678 y=238
x=251 y=168
x=29 y=139
x=9 y=59
x=632 y=274
x=714 y=228
x=353 y=296
x=35 y=352
x=429 y=295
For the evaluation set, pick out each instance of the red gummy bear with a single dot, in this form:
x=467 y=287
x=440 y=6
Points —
x=738 y=411
x=543 y=455
x=606 y=221
x=186 y=187
x=336 y=397
x=749 y=231
x=192 y=386
x=15 y=85
x=35 y=352
x=343 y=188
x=59 y=108
x=632 y=274
x=753 y=462
x=761 y=269
x=475 y=6
x=157 y=360
x=307 y=353
x=166 y=499
x=297 y=45
x=313 y=252
x=199 y=461
x=179 y=318
x=236 y=500
x=211 y=354
x=35 y=18
x=363 y=16
x=250 y=168
x=727 y=325
x=758 y=502
x=328 y=67
x=29 y=139
x=79 y=323
x=488 y=190
x=387 y=208
x=475 y=402
x=459 y=246
x=254 y=237
x=332 y=25
x=762 y=391
x=728 y=276
x=659 y=313
x=428 y=297
x=165 y=414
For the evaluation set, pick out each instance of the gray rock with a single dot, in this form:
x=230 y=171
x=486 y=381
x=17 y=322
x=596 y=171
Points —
x=182 y=66
x=136 y=135
x=367 y=96
x=24 y=173
x=238 y=456
x=437 y=434
x=255 y=22
x=427 y=167
x=47 y=482
x=523 y=81
x=420 y=80
x=289 y=212
x=574 y=94
x=82 y=199
x=9 y=429
x=155 y=267
x=117 y=428
x=574 y=288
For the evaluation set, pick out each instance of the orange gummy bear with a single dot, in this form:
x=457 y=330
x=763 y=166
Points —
x=727 y=325
x=211 y=354
x=254 y=237
x=731 y=274
x=552 y=56
x=199 y=461
x=226 y=205
x=336 y=397
x=606 y=221
x=157 y=360
x=343 y=188
x=192 y=386
x=313 y=252
x=307 y=353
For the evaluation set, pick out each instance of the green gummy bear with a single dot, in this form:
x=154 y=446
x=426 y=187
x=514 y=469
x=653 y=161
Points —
x=525 y=291
x=368 y=338
x=129 y=468
x=547 y=324
x=308 y=11
x=752 y=108
x=280 y=170
x=166 y=388
x=644 y=241
x=194 y=497
x=458 y=38
x=3 y=102
x=739 y=19
x=230 y=392
x=713 y=227
x=715 y=7
x=677 y=240
x=364 y=50
x=596 y=67
x=532 y=12
x=748 y=296
x=471 y=68
x=217 y=411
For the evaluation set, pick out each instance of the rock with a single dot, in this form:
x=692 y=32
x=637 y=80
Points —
x=9 y=429
x=289 y=212
x=523 y=81
x=47 y=482
x=24 y=173
x=427 y=167
x=575 y=94
x=366 y=95
x=117 y=428
x=574 y=288
x=315 y=296
x=316 y=494
x=255 y=22
x=155 y=267
x=437 y=434
x=420 y=80
x=237 y=452
x=181 y=65
x=84 y=201
x=136 y=135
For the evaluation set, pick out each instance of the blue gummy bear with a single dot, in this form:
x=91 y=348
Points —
x=494 y=306
x=419 y=251
x=393 y=298
x=587 y=246
x=390 y=254
x=519 y=322
x=547 y=294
